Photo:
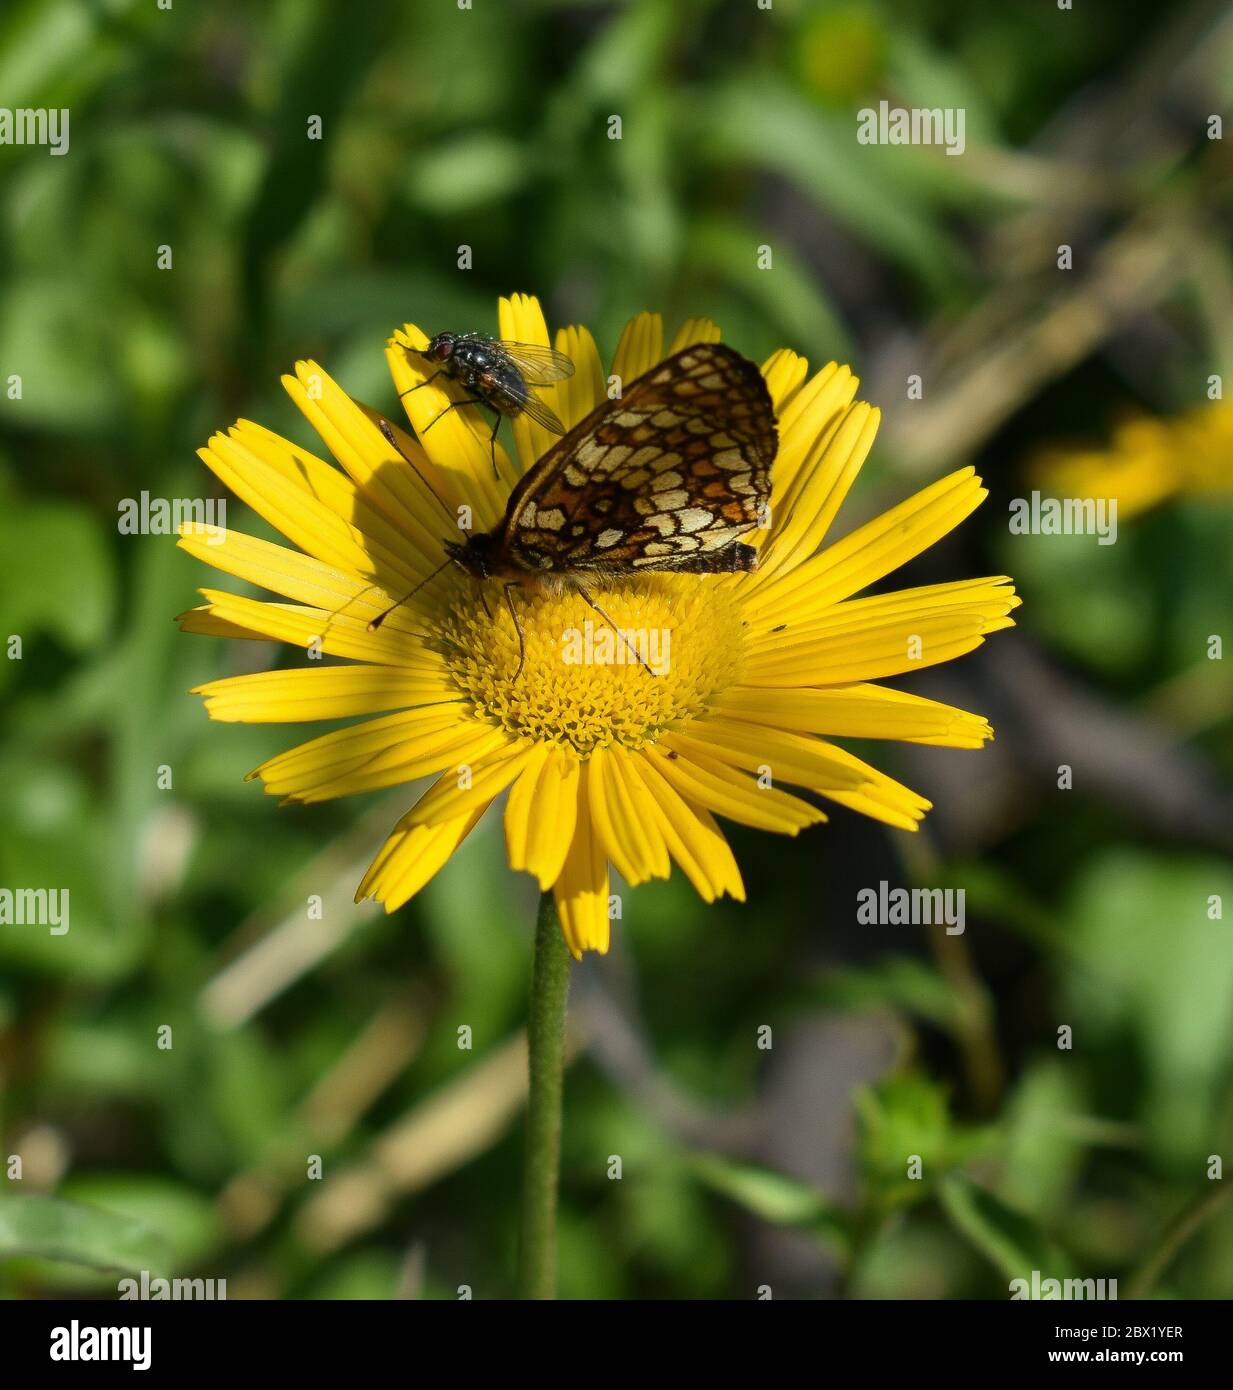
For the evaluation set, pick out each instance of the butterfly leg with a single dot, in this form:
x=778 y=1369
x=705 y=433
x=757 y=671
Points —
x=632 y=649
x=484 y=600
x=513 y=612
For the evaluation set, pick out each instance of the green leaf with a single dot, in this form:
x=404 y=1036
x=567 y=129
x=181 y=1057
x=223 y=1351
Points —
x=900 y=1119
x=774 y=1197
x=791 y=298
x=55 y=573
x=1007 y=1238
x=186 y=1221
x=54 y=1229
x=366 y=1275
x=902 y=982
x=762 y=123
x=51 y=327
x=1044 y=1131
x=1157 y=970
x=468 y=172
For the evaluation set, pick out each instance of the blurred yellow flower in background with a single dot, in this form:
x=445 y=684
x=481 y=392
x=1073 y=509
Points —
x=603 y=763
x=1149 y=461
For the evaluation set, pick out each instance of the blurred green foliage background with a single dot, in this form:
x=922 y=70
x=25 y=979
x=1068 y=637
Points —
x=741 y=1167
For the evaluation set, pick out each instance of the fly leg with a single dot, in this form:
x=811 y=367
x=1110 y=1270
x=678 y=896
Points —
x=457 y=405
x=402 y=395
x=492 y=442
x=453 y=405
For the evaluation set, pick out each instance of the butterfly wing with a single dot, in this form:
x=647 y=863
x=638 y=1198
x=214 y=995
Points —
x=666 y=477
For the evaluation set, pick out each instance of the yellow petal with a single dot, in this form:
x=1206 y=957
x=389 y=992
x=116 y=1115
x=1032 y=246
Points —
x=813 y=763
x=309 y=581
x=454 y=486
x=693 y=839
x=357 y=744
x=811 y=415
x=367 y=456
x=855 y=711
x=729 y=793
x=784 y=371
x=579 y=394
x=204 y=622
x=314 y=525
x=884 y=635
x=642 y=811
x=448 y=751
x=331 y=692
x=335 y=633
x=481 y=773
x=635 y=848
x=379 y=753
x=641 y=347
x=875 y=549
x=410 y=857
x=775 y=755
x=803 y=514
x=881 y=797
x=540 y=814
x=794 y=756
x=990 y=596
x=581 y=892
x=378 y=536
x=694 y=331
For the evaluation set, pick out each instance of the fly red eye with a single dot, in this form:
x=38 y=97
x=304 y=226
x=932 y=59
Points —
x=441 y=347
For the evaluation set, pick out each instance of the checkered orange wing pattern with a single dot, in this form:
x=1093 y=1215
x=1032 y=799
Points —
x=667 y=477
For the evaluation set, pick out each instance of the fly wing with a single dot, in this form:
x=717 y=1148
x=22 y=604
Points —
x=539 y=366
x=539 y=412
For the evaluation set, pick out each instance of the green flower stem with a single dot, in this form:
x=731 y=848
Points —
x=537 y=1253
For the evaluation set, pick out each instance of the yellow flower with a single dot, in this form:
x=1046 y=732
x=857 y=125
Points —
x=1149 y=461
x=604 y=764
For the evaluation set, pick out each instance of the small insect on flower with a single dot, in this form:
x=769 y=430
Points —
x=667 y=477
x=497 y=374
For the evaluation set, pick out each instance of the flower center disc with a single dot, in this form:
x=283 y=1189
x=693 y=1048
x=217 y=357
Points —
x=581 y=683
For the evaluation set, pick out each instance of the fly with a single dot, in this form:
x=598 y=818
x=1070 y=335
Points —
x=497 y=374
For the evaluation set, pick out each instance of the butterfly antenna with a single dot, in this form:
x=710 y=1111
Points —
x=388 y=431
x=484 y=599
x=381 y=617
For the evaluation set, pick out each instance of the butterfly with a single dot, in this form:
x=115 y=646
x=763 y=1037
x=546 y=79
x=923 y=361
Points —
x=667 y=477
x=498 y=374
